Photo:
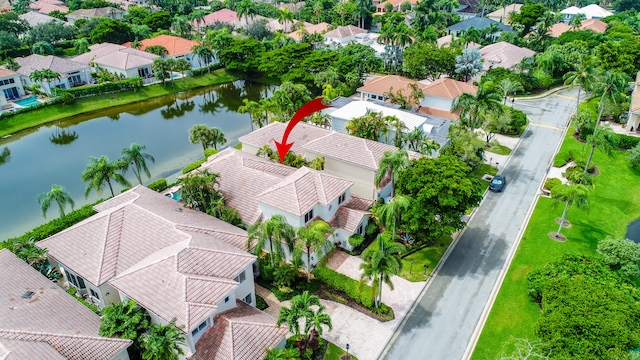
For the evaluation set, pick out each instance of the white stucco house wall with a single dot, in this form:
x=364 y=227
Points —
x=72 y=73
x=119 y=59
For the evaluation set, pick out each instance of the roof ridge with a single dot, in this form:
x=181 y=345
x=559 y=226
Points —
x=136 y=268
x=320 y=178
x=74 y=336
x=120 y=219
x=243 y=253
x=211 y=279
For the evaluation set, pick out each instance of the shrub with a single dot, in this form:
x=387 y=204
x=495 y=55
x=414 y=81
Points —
x=193 y=166
x=550 y=183
x=209 y=152
x=104 y=88
x=67 y=98
x=626 y=142
x=356 y=240
x=204 y=70
x=261 y=304
x=72 y=291
x=361 y=293
x=634 y=156
x=158 y=185
x=562 y=158
x=582 y=162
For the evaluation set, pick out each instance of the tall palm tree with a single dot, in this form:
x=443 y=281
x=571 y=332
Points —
x=254 y=110
x=316 y=321
x=314 y=238
x=203 y=53
x=285 y=16
x=362 y=11
x=392 y=163
x=605 y=140
x=218 y=138
x=390 y=212
x=81 y=46
x=486 y=99
x=164 y=342
x=206 y=136
x=134 y=155
x=570 y=195
x=183 y=26
x=274 y=231
x=379 y=262
x=57 y=194
x=611 y=85
x=507 y=86
x=245 y=9
x=100 y=171
x=583 y=76
x=300 y=310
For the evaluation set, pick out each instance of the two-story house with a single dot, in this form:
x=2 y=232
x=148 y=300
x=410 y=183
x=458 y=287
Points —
x=177 y=263
x=10 y=85
x=592 y=11
x=119 y=59
x=71 y=73
x=177 y=48
x=440 y=95
x=345 y=156
x=39 y=320
x=259 y=188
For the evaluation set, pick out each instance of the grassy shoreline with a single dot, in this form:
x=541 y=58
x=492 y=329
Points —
x=91 y=104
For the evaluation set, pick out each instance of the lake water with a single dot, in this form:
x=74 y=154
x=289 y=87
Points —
x=56 y=153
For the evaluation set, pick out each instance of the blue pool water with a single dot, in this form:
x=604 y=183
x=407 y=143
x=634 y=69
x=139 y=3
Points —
x=174 y=195
x=30 y=101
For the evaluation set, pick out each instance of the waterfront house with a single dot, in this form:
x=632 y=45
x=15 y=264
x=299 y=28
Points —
x=177 y=48
x=175 y=262
x=39 y=320
x=10 y=85
x=72 y=73
x=119 y=59
x=342 y=35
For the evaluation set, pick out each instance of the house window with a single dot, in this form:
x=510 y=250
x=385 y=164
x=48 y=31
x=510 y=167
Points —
x=308 y=216
x=341 y=198
x=199 y=329
x=71 y=278
x=247 y=299
x=143 y=72
x=226 y=300
x=81 y=282
x=360 y=230
x=241 y=278
x=94 y=294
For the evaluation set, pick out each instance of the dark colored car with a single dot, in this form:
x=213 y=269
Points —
x=497 y=183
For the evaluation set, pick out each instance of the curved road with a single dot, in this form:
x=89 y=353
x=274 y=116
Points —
x=443 y=320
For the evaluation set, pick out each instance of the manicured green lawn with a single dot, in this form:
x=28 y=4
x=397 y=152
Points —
x=428 y=256
x=55 y=112
x=615 y=202
x=334 y=352
x=498 y=149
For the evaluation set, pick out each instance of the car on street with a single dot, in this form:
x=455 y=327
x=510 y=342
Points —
x=497 y=183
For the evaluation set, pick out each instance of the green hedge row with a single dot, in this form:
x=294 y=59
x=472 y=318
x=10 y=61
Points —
x=90 y=90
x=158 y=185
x=209 y=152
x=193 y=166
x=361 y=293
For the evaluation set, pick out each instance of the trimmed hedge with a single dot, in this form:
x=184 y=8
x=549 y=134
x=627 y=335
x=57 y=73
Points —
x=56 y=225
x=550 y=183
x=209 y=152
x=627 y=142
x=193 y=166
x=158 y=185
x=361 y=293
x=562 y=158
x=110 y=87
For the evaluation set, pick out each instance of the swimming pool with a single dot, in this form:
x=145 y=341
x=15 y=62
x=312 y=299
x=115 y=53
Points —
x=30 y=101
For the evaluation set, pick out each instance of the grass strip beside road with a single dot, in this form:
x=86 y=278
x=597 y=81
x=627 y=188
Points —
x=614 y=203
x=429 y=256
x=47 y=114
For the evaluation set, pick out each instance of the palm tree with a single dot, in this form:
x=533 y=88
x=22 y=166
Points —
x=164 y=342
x=205 y=135
x=392 y=163
x=100 y=171
x=42 y=48
x=181 y=66
x=126 y=320
x=315 y=322
x=285 y=16
x=469 y=63
x=81 y=46
x=605 y=140
x=133 y=155
x=486 y=99
x=204 y=54
x=507 y=86
x=612 y=85
x=583 y=75
x=300 y=309
x=183 y=26
x=362 y=11
x=379 y=263
x=570 y=195
x=218 y=138
x=57 y=194
x=245 y=9
x=314 y=238
x=389 y=213
x=255 y=112
x=274 y=230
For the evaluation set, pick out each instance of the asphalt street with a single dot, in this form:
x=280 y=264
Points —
x=446 y=314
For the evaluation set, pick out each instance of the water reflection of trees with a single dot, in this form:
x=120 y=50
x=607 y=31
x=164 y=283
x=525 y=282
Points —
x=64 y=137
x=177 y=109
x=229 y=96
x=5 y=156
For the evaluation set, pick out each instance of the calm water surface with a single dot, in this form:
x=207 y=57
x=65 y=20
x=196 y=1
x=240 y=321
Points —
x=56 y=153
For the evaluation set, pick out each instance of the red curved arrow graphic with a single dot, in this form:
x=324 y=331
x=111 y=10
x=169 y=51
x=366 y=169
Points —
x=306 y=110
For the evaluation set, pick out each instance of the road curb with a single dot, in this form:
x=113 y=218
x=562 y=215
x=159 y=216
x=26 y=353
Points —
x=544 y=95
x=503 y=272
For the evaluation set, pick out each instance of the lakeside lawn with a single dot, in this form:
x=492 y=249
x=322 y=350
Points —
x=47 y=114
x=614 y=203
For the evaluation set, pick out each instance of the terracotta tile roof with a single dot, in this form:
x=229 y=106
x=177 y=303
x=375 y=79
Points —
x=351 y=213
x=449 y=88
x=440 y=113
x=222 y=15
x=45 y=8
x=594 y=25
x=300 y=135
x=38 y=62
x=242 y=333
x=444 y=41
x=504 y=55
x=557 y=29
x=6 y=73
x=320 y=28
x=175 y=45
x=116 y=56
x=504 y=11
x=302 y=190
x=383 y=84
x=243 y=177
x=117 y=239
x=91 y=13
x=342 y=32
x=35 y=326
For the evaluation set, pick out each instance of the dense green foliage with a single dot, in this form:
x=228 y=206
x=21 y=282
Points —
x=158 y=185
x=361 y=293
